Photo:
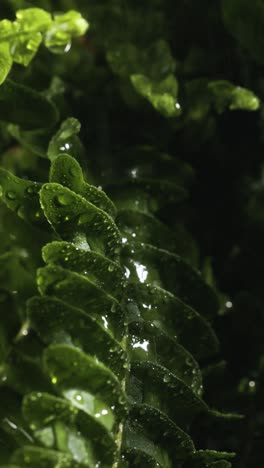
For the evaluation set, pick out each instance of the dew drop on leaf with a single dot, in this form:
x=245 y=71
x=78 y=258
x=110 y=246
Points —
x=11 y=195
x=166 y=378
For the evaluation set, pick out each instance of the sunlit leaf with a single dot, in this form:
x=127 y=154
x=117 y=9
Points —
x=163 y=95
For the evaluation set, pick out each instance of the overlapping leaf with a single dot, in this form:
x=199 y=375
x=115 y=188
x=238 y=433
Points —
x=20 y=39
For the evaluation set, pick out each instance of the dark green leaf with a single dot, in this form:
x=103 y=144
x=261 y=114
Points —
x=73 y=373
x=65 y=139
x=244 y=21
x=77 y=220
x=21 y=196
x=82 y=292
x=66 y=171
x=57 y=322
x=102 y=271
x=25 y=107
x=58 y=425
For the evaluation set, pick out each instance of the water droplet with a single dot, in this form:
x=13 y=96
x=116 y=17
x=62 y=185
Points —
x=85 y=218
x=20 y=211
x=62 y=200
x=166 y=378
x=78 y=398
x=54 y=380
x=188 y=361
x=11 y=195
x=30 y=190
x=121 y=400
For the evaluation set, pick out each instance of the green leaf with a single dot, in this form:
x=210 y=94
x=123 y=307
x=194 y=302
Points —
x=211 y=458
x=65 y=139
x=159 y=388
x=155 y=61
x=60 y=426
x=150 y=432
x=32 y=457
x=150 y=265
x=174 y=317
x=106 y=274
x=21 y=196
x=25 y=107
x=147 y=229
x=66 y=171
x=5 y=61
x=26 y=34
x=73 y=372
x=161 y=94
x=20 y=39
x=23 y=374
x=148 y=343
x=48 y=314
x=77 y=220
x=64 y=27
x=35 y=141
x=226 y=95
x=82 y=292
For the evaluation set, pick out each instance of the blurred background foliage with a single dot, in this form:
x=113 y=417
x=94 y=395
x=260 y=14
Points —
x=186 y=78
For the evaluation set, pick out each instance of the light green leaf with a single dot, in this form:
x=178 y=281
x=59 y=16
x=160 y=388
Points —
x=31 y=18
x=226 y=95
x=65 y=26
x=161 y=94
x=5 y=61
x=24 y=35
x=20 y=39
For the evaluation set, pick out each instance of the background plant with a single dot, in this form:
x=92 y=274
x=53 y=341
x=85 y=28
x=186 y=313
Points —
x=148 y=81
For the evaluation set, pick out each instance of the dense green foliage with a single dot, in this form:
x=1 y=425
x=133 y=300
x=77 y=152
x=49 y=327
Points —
x=131 y=187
